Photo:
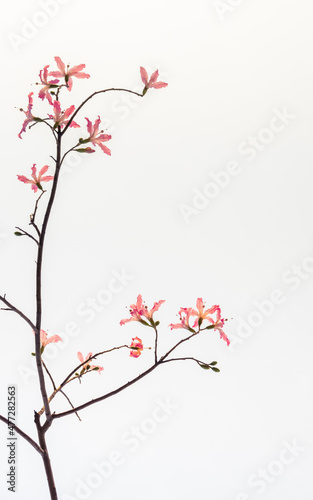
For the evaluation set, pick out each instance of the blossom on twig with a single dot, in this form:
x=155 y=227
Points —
x=44 y=340
x=67 y=73
x=184 y=315
x=62 y=118
x=28 y=113
x=152 y=83
x=139 y=312
x=36 y=179
x=93 y=131
x=87 y=366
x=137 y=344
x=47 y=85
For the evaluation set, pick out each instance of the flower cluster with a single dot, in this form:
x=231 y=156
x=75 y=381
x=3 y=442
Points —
x=36 y=179
x=87 y=367
x=139 y=312
x=186 y=313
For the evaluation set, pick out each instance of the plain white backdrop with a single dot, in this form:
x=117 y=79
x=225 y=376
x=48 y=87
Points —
x=207 y=194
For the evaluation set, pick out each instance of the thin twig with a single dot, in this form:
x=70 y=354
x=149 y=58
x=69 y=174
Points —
x=90 y=97
x=49 y=374
x=33 y=216
x=23 y=434
x=25 y=233
x=15 y=309
x=68 y=399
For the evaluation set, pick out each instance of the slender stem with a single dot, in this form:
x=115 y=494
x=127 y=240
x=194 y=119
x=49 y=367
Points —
x=70 y=402
x=90 y=97
x=108 y=395
x=45 y=457
x=23 y=434
x=25 y=233
x=33 y=216
x=39 y=279
x=69 y=379
x=17 y=311
x=156 y=344
x=188 y=358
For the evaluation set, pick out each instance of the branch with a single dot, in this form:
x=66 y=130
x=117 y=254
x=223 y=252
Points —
x=108 y=395
x=69 y=379
x=12 y=308
x=70 y=402
x=33 y=216
x=25 y=233
x=90 y=97
x=23 y=434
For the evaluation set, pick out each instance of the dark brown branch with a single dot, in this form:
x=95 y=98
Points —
x=17 y=311
x=33 y=216
x=23 y=434
x=108 y=395
x=69 y=379
x=70 y=402
x=90 y=97
x=39 y=279
x=25 y=233
x=49 y=374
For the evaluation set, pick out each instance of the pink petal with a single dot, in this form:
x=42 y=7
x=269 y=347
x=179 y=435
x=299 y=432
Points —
x=47 y=178
x=70 y=83
x=175 y=326
x=153 y=78
x=89 y=126
x=144 y=75
x=42 y=171
x=156 y=306
x=105 y=149
x=76 y=69
x=60 y=65
x=24 y=179
x=123 y=321
x=74 y=125
x=68 y=111
x=80 y=357
x=34 y=172
x=53 y=338
x=159 y=85
x=82 y=75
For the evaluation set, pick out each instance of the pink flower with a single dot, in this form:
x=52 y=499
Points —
x=45 y=340
x=36 y=180
x=139 y=311
x=216 y=324
x=184 y=315
x=136 y=342
x=87 y=366
x=152 y=83
x=47 y=85
x=28 y=113
x=93 y=131
x=203 y=314
x=62 y=118
x=68 y=73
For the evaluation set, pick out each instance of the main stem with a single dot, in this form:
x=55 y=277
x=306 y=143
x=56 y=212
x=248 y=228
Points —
x=45 y=457
x=42 y=429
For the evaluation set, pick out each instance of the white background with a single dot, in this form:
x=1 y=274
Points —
x=231 y=67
